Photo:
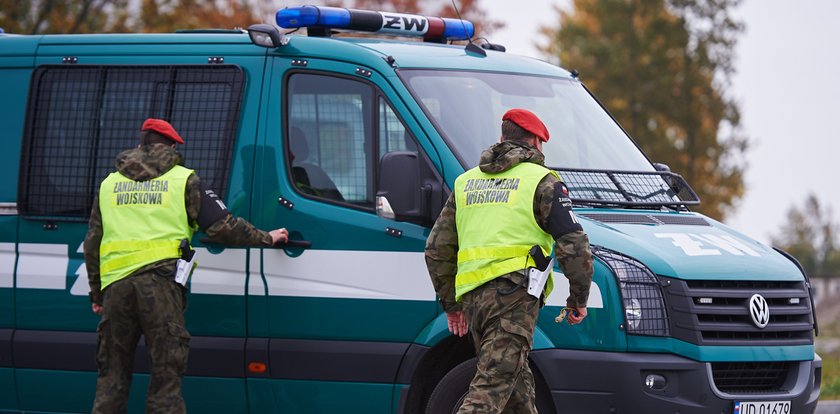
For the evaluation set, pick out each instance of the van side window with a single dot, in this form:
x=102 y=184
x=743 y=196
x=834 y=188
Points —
x=338 y=130
x=330 y=138
x=392 y=133
x=81 y=116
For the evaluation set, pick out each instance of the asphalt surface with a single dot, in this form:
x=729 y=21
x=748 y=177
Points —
x=828 y=407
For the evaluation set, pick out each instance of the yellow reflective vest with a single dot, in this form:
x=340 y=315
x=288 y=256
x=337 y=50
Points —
x=496 y=225
x=143 y=222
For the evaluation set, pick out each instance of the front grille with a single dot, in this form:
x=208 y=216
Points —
x=750 y=377
x=717 y=312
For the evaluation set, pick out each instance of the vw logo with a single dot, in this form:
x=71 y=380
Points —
x=759 y=310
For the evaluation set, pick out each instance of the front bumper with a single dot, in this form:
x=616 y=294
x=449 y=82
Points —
x=614 y=382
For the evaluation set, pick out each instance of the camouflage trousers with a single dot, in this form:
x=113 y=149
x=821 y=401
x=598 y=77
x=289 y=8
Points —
x=502 y=327
x=151 y=305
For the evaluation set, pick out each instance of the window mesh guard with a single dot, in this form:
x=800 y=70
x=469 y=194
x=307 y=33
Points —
x=627 y=188
x=80 y=117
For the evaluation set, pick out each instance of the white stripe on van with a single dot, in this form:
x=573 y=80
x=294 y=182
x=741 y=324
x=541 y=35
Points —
x=561 y=293
x=219 y=274
x=316 y=273
x=42 y=266
x=81 y=286
x=369 y=275
x=348 y=274
x=7 y=265
x=256 y=286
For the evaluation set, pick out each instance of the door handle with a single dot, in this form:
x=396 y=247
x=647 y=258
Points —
x=302 y=244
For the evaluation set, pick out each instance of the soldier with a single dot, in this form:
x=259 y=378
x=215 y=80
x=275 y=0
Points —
x=477 y=260
x=139 y=218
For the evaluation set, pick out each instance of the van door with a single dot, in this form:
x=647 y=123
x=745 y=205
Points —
x=344 y=311
x=15 y=69
x=81 y=117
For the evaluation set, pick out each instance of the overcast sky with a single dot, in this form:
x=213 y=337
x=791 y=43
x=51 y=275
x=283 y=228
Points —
x=788 y=87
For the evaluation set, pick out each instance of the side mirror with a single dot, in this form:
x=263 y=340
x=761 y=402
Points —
x=661 y=167
x=405 y=194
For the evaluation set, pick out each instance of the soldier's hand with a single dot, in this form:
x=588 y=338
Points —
x=457 y=322
x=576 y=319
x=97 y=309
x=279 y=235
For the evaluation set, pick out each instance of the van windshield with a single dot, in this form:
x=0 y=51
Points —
x=467 y=108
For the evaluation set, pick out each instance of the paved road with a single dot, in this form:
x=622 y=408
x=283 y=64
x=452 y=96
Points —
x=828 y=407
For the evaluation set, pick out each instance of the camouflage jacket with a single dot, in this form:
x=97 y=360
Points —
x=571 y=250
x=152 y=161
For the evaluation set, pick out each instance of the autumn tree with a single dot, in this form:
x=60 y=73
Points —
x=811 y=236
x=61 y=16
x=662 y=68
x=171 y=15
x=103 y=16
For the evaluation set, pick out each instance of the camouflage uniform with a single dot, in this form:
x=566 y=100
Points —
x=502 y=325
x=149 y=301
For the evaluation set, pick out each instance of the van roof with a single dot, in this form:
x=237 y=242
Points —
x=360 y=50
x=437 y=56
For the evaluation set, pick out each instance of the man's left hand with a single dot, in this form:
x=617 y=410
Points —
x=280 y=235
x=576 y=319
x=97 y=309
x=457 y=323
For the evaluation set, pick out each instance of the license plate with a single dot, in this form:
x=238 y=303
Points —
x=762 y=407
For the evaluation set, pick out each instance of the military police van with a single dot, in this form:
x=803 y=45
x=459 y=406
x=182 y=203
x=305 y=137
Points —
x=354 y=144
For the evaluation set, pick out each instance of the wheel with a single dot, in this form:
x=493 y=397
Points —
x=452 y=388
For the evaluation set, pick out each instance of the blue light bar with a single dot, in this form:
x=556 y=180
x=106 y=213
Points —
x=305 y=16
x=457 y=29
x=399 y=24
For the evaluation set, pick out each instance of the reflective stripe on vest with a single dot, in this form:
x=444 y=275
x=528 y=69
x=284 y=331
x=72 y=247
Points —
x=496 y=225
x=142 y=222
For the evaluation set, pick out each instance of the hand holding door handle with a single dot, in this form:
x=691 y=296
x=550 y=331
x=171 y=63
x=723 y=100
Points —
x=280 y=238
x=280 y=235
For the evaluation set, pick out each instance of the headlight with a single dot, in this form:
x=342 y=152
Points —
x=641 y=295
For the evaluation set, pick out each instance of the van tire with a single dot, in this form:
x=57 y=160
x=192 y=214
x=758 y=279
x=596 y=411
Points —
x=452 y=388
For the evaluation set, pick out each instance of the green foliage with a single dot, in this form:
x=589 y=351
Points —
x=830 y=387
x=810 y=235
x=662 y=69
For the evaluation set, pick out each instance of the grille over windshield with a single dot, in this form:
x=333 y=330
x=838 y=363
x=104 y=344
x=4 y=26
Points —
x=627 y=188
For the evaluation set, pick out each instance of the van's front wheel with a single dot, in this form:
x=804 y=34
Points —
x=452 y=388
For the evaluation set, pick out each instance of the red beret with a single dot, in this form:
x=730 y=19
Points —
x=527 y=121
x=162 y=127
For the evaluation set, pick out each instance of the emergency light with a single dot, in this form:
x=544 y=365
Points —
x=399 y=24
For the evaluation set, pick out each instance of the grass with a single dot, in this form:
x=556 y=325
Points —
x=829 y=332
x=830 y=388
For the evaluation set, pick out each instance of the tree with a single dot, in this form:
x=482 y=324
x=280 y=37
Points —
x=172 y=15
x=102 y=16
x=662 y=67
x=810 y=235
x=60 y=16
x=166 y=16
